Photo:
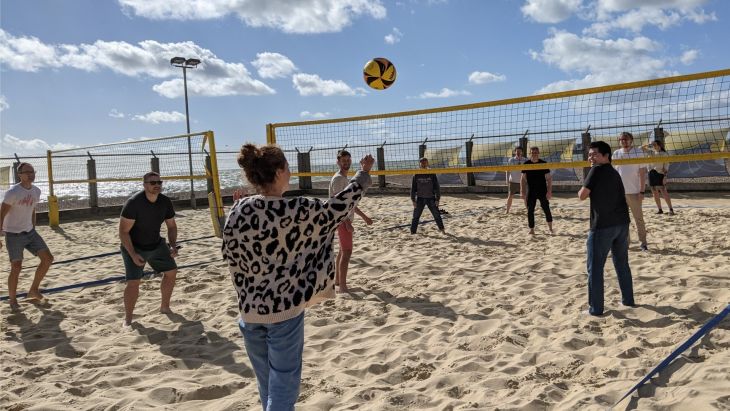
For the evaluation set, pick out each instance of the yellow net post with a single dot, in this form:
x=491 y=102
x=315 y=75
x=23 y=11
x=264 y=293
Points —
x=215 y=200
x=53 y=215
x=270 y=134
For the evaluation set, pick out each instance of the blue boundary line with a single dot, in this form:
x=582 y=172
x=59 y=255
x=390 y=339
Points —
x=107 y=280
x=702 y=331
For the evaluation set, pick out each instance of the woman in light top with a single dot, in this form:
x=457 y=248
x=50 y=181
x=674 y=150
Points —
x=279 y=254
x=658 y=174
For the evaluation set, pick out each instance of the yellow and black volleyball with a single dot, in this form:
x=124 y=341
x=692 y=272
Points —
x=379 y=73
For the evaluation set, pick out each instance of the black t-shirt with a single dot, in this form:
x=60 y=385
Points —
x=536 y=183
x=148 y=218
x=608 y=204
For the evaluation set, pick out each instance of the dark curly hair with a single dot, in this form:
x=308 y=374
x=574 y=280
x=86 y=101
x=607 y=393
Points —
x=260 y=164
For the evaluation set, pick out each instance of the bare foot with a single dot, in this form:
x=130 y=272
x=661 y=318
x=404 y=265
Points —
x=126 y=324
x=34 y=295
x=14 y=306
x=532 y=232
x=343 y=289
x=165 y=310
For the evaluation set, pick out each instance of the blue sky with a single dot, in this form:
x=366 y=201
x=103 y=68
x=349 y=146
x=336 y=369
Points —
x=84 y=72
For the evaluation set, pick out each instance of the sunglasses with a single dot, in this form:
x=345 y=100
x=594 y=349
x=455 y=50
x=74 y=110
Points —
x=155 y=182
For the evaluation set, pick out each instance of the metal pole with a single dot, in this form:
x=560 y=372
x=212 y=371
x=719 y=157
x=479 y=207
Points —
x=190 y=151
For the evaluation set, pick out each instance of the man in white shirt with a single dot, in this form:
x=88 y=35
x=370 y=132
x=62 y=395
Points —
x=633 y=177
x=17 y=223
x=345 y=229
x=514 y=177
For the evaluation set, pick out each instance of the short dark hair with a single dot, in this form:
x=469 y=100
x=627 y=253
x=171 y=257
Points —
x=535 y=148
x=661 y=145
x=627 y=134
x=602 y=148
x=146 y=177
x=343 y=153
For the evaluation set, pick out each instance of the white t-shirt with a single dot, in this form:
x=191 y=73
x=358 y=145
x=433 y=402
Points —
x=340 y=182
x=630 y=172
x=515 y=176
x=22 y=203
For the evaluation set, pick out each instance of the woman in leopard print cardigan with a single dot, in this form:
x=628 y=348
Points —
x=279 y=253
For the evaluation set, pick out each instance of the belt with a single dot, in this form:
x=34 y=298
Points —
x=20 y=233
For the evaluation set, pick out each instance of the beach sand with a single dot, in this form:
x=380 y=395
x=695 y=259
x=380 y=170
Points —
x=484 y=317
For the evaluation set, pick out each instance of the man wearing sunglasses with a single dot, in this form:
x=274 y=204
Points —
x=139 y=230
x=17 y=224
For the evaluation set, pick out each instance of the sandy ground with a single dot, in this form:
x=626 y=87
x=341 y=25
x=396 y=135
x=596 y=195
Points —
x=484 y=317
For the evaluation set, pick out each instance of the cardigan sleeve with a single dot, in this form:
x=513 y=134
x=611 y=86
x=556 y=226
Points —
x=327 y=215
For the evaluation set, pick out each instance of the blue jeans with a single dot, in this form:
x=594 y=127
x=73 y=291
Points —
x=431 y=204
x=615 y=239
x=275 y=352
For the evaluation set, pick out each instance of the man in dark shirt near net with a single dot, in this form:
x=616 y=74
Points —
x=139 y=231
x=609 y=227
x=537 y=185
x=425 y=192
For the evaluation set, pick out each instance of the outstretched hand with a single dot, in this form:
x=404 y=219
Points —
x=367 y=163
x=239 y=194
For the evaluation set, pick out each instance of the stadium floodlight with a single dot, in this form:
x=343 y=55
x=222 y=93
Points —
x=186 y=63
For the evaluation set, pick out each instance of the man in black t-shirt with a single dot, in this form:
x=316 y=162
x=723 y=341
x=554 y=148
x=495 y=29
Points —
x=537 y=185
x=139 y=231
x=609 y=229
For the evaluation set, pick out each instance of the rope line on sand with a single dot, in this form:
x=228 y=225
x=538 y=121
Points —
x=107 y=280
x=702 y=331
x=88 y=257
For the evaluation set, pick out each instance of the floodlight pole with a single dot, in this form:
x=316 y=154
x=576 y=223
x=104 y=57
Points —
x=186 y=64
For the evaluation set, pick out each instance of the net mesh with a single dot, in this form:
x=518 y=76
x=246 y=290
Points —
x=691 y=114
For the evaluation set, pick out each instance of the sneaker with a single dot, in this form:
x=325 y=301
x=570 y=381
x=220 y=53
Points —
x=660 y=211
x=643 y=247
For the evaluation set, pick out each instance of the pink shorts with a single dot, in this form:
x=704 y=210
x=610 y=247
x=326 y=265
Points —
x=344 y=236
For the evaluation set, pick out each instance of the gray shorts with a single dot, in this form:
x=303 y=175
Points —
x=514 y=188
x=28 y=240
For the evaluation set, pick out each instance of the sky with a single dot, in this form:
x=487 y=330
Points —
x=76 y=73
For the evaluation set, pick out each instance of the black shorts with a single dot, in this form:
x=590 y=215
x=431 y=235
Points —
x=656 y=179
x=159 y=259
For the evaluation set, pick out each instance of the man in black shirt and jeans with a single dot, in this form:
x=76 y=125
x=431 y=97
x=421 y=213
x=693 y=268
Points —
x=139 y=230
x=425 y=192
x=537 y=185
x=609 y=227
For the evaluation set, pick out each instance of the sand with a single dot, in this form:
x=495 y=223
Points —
x=484 y=317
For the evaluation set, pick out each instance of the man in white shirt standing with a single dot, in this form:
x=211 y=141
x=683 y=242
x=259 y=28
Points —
x=17 y=220
x=345 y=229
x=633 y=177
x=514 y=177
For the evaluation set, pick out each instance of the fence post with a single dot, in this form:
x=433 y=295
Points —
x=16 y=176
x=305 y=183
x=91 y=172
x=659 y=134
x=586 y=142
x=381 y=165
x=524 y=141
x=421 y=150
x=154 y=163
x=470 y=179
x=53 y=212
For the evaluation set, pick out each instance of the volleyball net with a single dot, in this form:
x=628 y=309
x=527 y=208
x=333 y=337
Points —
x=471 y=144
x=108 y=174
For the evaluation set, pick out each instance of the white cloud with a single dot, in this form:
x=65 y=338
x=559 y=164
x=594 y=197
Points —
x=301 y=16
x=149 y=58
x=273 y=65
x=313 y=85
x=550 y=11
x=318 y=114
x=3 y=103
x=634 y=16
x=114 y=113
x=484 y=77
x=600 y=61
x=689 y=56
x=157 y=117
x=444 y=93
x=13 y=144
x=394 y=36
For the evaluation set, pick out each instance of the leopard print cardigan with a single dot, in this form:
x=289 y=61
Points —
x=279 y=251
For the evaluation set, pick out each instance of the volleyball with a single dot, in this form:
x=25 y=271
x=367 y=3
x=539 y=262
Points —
x=379 y=73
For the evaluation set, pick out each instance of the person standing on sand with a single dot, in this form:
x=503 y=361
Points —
x=425 y=192
x=633 y=177
x=609 y=227
x=139 y=230
x=17 y=224
x=279 y=254
x=537 y=185
x=514 y=177
x=345 y=230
